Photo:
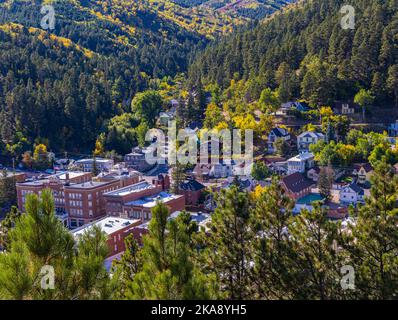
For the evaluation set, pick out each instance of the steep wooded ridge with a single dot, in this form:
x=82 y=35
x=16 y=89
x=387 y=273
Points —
x=306 y=53
x=215 y=17
x=62 y=85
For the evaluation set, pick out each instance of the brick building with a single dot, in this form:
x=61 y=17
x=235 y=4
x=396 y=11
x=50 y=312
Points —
x=85 y=203
x=56 y=183
x=141 y=208
x=115 y=200
x=116 y=230
x=297 y=185
x=192 y=191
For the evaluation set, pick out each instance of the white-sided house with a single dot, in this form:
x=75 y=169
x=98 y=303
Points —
x=221 y=170
x=277 y=133
x=308 y=138
x=300 y=163
x=352 y=194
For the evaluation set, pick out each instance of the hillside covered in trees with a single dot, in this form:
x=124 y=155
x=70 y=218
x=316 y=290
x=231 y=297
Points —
x=57 y=84
x=305 y=53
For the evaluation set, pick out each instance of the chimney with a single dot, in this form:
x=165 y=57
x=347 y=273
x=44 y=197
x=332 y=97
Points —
x=67 y=182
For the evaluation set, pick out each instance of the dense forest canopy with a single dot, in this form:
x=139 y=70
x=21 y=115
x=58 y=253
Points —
x=61 y=86
x=306 y=53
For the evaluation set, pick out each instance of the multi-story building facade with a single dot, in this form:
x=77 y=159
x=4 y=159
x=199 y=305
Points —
x=141 y=208
x=85 y=203
x=115 y=200
x=56 y=183
x=115 y=229
x=306 y=139
x=300 y=163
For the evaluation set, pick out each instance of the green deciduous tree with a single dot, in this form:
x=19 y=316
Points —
x=146 y=106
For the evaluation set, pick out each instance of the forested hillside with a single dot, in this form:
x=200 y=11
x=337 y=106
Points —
x=305 y=53
x=215 y=17
x=55 y=85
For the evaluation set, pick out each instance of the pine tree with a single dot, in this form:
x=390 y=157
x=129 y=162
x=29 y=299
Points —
x=95 y=171
x=8 y=191
x=168 y=271
x=39 y=239
x=325 y=182
x=6 y=225
x=129 y=264
x=316 y=268
x=227 y=246
x=271 y=247
x=372 y=240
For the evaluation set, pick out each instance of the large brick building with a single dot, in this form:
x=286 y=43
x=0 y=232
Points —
x=137 y=200
x=116 y=229
x=56 y=183
x=85 y=203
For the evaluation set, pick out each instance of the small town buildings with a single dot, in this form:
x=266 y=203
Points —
x=126 y=178
x=85 y=203
x=345 y=108
x=114 y=200
x=18 y=176
x=56 y=183
x=221 y=170
x=308 y=138
x=297 y=185
x=102 y=164
x=116 y=230
x=277 y=133
x=293 y=106
x=137 y=160
x=141 y=208
x=192 y=191
x=352 y=194
x=363 y=172
x=313 y=174
x=300 y=163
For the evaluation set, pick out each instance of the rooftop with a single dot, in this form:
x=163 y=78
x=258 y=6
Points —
x=297 y=182
x=199 y=217
x=140 y=186
x=302 y=157
x=98 y=160
x=72 y=175
x=89 y=185
x=150 y=202
x=191 y=185
x=108 y=225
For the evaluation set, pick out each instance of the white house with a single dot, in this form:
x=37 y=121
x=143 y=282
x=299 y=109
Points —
x=308 y=138
x=352 y=194
x=277 y=133
x=300 y=163
x=221 y=170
